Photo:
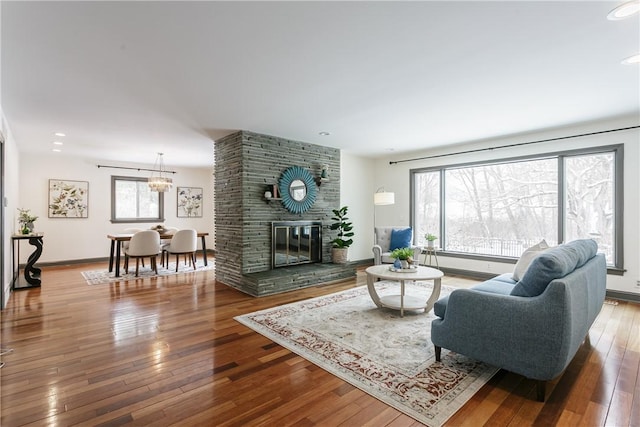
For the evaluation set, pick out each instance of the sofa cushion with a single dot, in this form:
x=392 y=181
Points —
x=552 y=264
x=525 y=259
x=501 y=284
x=400 y=238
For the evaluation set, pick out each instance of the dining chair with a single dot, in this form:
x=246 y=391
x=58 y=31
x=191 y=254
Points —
x=185 y=242
x=125 y=243
x=165 y=242
x=143 y=244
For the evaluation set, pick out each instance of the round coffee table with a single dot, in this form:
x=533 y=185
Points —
x=403 y=302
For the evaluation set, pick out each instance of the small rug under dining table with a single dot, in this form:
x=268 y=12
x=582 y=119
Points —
x=102 y=276
x=387 y=356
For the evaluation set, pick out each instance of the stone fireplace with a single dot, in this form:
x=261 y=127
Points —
x=246 y=165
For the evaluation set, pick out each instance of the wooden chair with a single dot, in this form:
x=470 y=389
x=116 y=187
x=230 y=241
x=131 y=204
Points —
x=143 y=244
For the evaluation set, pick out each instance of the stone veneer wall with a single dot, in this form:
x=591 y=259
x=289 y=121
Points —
x=246 y=165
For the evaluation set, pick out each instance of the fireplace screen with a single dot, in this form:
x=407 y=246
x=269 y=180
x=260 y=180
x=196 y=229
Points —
x=296 y=242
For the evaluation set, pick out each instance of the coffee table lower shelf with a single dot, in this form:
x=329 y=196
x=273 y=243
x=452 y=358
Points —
x=406 y=303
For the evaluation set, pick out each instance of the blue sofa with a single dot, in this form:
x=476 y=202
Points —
x=533 y=327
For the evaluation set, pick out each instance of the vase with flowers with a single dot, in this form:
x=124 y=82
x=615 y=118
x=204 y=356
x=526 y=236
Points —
x=26 y=220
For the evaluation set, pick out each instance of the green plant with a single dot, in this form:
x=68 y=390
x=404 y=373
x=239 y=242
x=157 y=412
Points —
x=402 y=253
x=344 y=227
x=25 y=217
x=430 y=237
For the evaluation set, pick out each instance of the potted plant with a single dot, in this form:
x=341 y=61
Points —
x=405 y=255
x=26 y=220
x=430 y=239
x=341 y=243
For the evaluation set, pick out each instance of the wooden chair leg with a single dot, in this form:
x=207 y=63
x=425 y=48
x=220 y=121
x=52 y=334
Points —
x=154 y=263
x=177 y=261
x=137 y=265
x=438 y=353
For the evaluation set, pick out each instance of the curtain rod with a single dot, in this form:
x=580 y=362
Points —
x=135 y=169
x=512 y=145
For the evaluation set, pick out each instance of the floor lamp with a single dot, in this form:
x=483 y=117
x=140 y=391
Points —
x=381 y=198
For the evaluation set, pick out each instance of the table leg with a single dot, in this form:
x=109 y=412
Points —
x=435 y=294
x=372 y=290
x=113 y=243
x=118 y=260
x=204 y=250
x=401 y=298
x=31 y=272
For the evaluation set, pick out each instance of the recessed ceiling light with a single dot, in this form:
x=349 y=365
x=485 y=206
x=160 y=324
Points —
x=635 y=59
x=624 y=10
x=59 y=134
x=324 y=133
x=56 y=150
x=57 y=143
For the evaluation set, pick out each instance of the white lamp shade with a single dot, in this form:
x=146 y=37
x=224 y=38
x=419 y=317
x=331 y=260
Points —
x=384 y=198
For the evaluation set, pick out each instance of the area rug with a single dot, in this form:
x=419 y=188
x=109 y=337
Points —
x=98 y=277
x=387 y=356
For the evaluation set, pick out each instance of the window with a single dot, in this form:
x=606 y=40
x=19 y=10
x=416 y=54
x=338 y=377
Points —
x=133 y=201
x=501 y=208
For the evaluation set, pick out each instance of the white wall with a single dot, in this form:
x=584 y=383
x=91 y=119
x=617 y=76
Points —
x=356 y=192
x=11 y=191
x=396 y=178
x=67 y=239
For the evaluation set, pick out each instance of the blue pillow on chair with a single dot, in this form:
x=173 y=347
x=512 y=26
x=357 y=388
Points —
x=400 y=238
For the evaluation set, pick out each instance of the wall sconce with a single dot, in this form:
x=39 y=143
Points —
x=324 y=175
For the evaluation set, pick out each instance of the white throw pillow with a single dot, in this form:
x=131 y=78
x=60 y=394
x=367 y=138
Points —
x=526 y=258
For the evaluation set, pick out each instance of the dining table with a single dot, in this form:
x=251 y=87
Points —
x=116 y=247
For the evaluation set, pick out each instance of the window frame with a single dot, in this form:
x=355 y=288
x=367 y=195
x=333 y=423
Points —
x=618 y=193
x=114 y=220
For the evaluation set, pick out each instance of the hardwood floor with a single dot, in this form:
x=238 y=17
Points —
x=166 y=351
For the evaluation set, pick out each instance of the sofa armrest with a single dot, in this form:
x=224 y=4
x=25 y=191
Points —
x=377 y=255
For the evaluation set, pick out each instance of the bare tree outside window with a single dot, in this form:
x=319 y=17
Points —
x=501 y=209
x=427 y=206
x=590 y=200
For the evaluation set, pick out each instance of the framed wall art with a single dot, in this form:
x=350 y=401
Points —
x=189 y=202
x=68 y=199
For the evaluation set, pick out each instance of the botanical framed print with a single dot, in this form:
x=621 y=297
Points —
x=189 y=202
x=68 y=199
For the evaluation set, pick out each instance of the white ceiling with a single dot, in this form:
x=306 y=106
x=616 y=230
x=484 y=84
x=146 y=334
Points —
x=125 y=80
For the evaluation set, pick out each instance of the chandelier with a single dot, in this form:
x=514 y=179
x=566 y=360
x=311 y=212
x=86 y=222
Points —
x=158 y=182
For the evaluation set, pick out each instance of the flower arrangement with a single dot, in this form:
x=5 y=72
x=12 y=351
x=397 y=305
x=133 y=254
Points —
x=26 y=220
x=430 y=237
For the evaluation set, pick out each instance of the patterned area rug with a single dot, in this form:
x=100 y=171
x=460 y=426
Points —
x=389 y=357
x=98 y=277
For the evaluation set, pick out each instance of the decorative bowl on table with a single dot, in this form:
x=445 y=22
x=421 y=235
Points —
x=160 y=229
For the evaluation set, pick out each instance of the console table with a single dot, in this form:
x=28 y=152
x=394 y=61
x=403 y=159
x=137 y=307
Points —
x=31 y=273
